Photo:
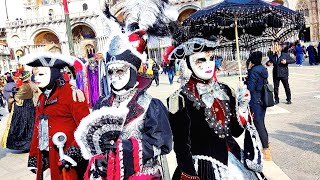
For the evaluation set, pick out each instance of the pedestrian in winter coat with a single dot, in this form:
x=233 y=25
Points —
x=312 y=52
x=299 y=54
x=318 y=59
x=155 y=69
x=257 y=77
x=280 y=61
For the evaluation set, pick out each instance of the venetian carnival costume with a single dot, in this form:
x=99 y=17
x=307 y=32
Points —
x=93 y=81
x=126 y=132
x=60 y=108
x=20 y=124
x=204 y=118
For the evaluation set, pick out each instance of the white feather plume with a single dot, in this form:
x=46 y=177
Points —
x=144 y=12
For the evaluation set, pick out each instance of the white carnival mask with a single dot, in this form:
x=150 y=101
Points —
x=42 y=76
x=202 y=65
x=119 y=74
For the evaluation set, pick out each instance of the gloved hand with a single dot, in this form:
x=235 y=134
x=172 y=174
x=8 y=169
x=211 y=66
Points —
x=100 y=168
x=109 y=139
x=77 y=94
x=243 y=97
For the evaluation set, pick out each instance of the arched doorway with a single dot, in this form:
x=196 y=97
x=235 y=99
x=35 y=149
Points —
x=81 y=32
x=90 y=51
x=84 y=35
x=45 y=38
x=185 y=14
x=303 y=8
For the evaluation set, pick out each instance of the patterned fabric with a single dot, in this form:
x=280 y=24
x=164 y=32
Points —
x=75 y=153
x=32 y=161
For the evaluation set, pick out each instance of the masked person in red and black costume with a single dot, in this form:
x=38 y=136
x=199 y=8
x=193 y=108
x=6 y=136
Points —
x=205 y=115
x=128 y=131
x=60 y=108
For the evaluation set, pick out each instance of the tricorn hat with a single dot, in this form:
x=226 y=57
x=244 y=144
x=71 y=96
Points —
x=47 y=59
x=121 y=51
x=192 y=46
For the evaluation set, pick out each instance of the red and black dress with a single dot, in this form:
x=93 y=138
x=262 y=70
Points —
x=204 y=121
x=130 y=143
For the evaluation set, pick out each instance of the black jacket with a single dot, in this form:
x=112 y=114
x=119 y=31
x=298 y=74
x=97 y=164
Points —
x=192 y=136
x=257 y=77
x=281 y=70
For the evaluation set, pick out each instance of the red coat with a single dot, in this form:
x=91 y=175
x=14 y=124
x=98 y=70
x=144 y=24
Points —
x=64 y=115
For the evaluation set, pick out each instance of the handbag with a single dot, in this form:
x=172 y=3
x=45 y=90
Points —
x=267 y=95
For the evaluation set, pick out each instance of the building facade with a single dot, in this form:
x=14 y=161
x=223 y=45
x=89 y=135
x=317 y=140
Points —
x=42 y=25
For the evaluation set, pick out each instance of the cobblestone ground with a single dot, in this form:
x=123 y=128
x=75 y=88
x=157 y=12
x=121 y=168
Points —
x=293 y=130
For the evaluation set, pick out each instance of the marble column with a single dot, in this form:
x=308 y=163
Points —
x=314 y=23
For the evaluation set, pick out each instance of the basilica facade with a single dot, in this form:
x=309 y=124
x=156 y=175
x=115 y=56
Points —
x=43 y=28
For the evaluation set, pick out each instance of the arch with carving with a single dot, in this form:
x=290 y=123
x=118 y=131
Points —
x=186 y=11
x=83 y=30
x=303 y=7
x=188 y=6
x=41 y=30
x=84 y=23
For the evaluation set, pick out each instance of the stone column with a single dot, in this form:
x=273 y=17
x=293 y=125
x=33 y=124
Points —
x=314 y=23
x=318 y=11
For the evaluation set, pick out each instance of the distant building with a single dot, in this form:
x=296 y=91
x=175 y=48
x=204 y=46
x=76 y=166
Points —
x=42 y=27
x=5 y=60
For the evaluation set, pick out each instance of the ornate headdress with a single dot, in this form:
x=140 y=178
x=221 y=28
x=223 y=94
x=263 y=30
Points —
x=184 y=50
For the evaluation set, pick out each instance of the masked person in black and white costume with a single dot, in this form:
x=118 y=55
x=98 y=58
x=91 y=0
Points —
x=126 y=132
x=205 y=115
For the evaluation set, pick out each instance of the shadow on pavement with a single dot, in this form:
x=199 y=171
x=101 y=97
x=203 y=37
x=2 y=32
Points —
x=300 y=140
x=306 y=127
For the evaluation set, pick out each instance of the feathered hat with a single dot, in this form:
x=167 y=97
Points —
x=121 y=51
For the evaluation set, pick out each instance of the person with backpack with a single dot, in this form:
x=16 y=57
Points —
x=257 y=76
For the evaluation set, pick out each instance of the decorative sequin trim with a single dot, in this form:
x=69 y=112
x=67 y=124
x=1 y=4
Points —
x=75 y=153
x=137 y=157
x=32 y=161
x=219 y=129
x=135 y=127
x=119 y=161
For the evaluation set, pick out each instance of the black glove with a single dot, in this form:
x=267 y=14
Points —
x=108 y=140
x=100 y=168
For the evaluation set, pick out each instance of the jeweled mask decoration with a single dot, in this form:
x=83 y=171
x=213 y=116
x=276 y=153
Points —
x=202 y=65
x=119 y=75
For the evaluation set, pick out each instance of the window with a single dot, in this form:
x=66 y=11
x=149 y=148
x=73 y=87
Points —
x=302 y=7
x=85 y=7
